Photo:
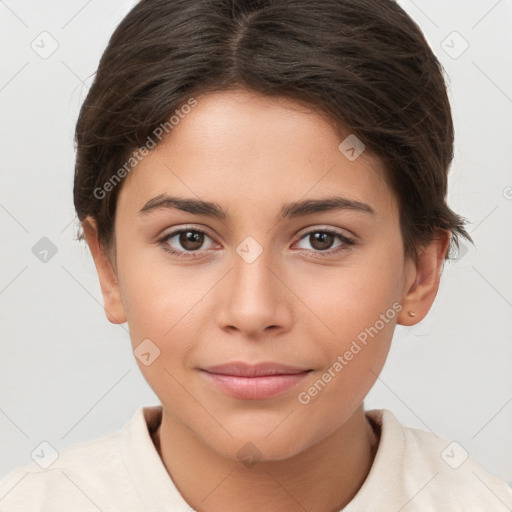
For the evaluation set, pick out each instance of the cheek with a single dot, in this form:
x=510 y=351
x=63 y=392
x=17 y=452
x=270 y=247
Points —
x=352 y=297
x=167 y=304
x=358 y=306
x=363 y=324
x=158 y=296
x=162 y=316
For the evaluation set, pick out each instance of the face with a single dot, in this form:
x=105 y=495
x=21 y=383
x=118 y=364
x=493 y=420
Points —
x=268 y=313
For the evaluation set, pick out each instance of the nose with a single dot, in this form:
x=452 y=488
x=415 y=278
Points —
x=255 y=301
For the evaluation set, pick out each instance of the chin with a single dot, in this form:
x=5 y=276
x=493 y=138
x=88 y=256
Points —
x=264 y=444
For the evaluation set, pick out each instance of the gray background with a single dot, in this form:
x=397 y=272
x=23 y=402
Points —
x=67 y=375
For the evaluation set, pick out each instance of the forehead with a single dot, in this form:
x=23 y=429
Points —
x=239 y=145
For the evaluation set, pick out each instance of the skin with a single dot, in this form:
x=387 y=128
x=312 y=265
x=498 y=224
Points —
x=250 y=155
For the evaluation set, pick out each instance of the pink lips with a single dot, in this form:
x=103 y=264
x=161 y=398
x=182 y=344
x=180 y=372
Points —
x=254 y=382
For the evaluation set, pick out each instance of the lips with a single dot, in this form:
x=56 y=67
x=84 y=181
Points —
x=254 y=382
x=256 y=370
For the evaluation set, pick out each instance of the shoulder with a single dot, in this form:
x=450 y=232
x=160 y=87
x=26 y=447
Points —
x=80 y=477
x=435 y=474
x=457 y=479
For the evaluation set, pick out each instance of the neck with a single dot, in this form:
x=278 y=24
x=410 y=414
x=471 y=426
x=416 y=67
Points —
x=324 y=477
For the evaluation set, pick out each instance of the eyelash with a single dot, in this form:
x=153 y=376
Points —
x=346 y=242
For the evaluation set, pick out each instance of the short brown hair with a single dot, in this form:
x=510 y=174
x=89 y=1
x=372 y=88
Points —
x=365 y=63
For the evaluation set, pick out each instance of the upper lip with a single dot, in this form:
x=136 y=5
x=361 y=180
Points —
x=240 y=369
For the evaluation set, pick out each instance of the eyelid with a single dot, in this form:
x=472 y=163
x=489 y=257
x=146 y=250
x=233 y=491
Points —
x=326 y=229
x=179 y=229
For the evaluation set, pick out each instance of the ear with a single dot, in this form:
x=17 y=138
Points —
x=422 y=280
x=112 y=303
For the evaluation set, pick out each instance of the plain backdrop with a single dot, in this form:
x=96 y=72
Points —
x=67 y=375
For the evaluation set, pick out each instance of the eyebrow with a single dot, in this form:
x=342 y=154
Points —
x=288 y=210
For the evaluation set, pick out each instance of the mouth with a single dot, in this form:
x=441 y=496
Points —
x=254 y=382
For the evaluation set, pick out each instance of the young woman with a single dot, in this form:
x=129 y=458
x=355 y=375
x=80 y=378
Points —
x=262 y=185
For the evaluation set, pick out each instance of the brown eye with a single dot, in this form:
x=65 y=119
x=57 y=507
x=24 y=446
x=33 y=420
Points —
x=325 y=242
x=191 y=240
x=321 y=241
x=186 y=242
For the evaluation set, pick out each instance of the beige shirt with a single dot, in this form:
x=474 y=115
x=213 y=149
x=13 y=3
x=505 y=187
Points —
x=413 y=471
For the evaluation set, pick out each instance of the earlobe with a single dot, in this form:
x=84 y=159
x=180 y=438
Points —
x=422 y=282
x=109 y=283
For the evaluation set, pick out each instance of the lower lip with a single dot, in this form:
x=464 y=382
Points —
x=255 y=388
